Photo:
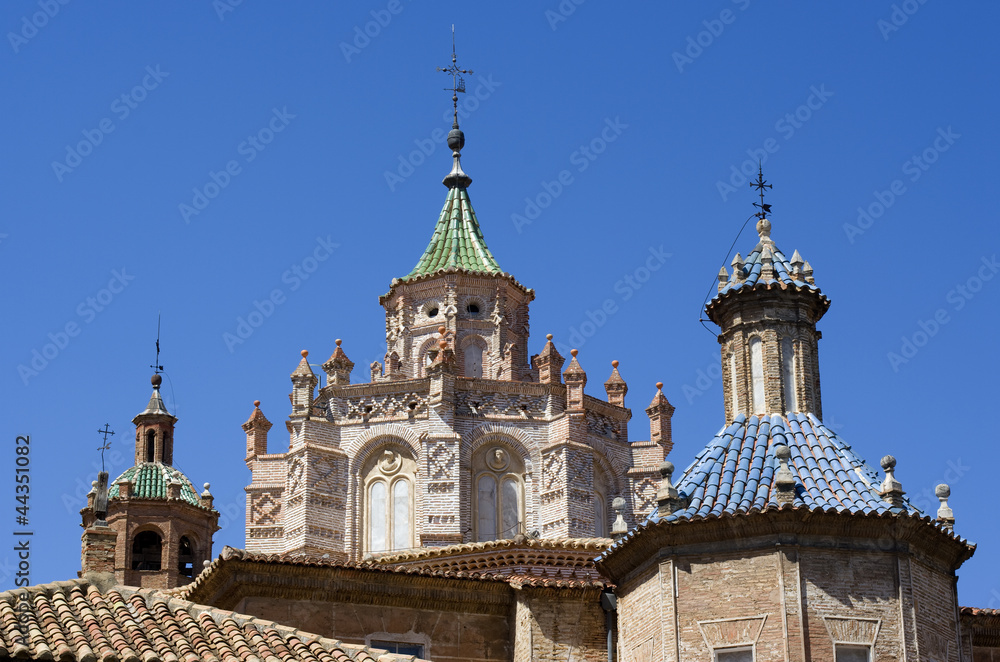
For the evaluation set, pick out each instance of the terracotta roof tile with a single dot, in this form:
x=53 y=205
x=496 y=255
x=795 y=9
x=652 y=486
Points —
x=74 y=622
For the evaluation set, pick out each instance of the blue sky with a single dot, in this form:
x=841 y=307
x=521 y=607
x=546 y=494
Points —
x=626 y=124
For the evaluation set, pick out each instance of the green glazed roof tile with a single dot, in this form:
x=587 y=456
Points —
x=457 y=241
x=149 y=481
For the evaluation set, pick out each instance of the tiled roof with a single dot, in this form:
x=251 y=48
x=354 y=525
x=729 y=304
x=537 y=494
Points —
x=73 y=621
x=735 y=471
x=766 y=265
x=978 y=611
x=149 y=481
x=231 y=554
x=457 y=241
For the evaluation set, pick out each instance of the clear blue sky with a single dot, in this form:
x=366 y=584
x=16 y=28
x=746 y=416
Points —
x=852 y=105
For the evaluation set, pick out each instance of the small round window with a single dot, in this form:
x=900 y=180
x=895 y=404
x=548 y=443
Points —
x=472 y=309
x=432 y=312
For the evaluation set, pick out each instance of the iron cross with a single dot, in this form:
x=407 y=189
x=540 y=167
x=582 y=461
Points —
x=760 y=185
x=107 y=432
x=457 y=82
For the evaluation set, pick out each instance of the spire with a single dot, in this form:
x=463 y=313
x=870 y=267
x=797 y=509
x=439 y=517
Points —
x=616 y=387
x=155 y=405
x=456 y=139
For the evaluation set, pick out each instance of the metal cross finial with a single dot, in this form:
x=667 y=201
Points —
x=157 y=368
x=107 y=432
x=457 y=82
x=760 y=185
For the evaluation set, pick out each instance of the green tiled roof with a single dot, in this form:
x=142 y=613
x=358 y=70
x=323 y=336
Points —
x=149 y=481
x=458 y=241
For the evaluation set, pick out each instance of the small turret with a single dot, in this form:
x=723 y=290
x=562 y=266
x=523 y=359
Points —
x=303 y=387
x=660 y=411
x=338 y=367
x=616 y=387
x=256 y=429
x=576 y=380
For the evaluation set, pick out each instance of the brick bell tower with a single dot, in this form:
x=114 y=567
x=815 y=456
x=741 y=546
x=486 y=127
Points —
x=767 y=309
x=150 y=528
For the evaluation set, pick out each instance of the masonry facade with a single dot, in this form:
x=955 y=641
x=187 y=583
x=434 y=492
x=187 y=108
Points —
x=458 y=436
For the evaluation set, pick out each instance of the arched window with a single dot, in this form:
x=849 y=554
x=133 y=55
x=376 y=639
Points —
x=150 y=446
x=499 y=504
x=734 y=391
x=389 y=493
x=757 y=373
x=185 y=558
x=474 y=361
x=788 y=373
x=147 y=550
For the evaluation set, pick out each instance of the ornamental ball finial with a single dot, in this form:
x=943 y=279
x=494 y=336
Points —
x=156 y=380
x=304 y=353
x=659 y=386
x=666 y=468
x=614 y=364
x=942 y=491
x=574 y=352
x=782 y=452
x=888 y=462
x=764 y=228
x=442 y=329
x=256 y=404
x=337 y=342
x=456 y=140
x=548 y=336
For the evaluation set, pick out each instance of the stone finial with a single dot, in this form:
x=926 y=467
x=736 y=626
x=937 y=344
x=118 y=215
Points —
x=338 y=367
x=376 y=371
x=944 y=514
x=797 y=262
x=206 y=497
x=660 y=412
x=767 y=263
x=737 y=265
x=764 y=229
x=576 y=380
x=784 y=480
x=549 y=363
x=807 y=273
x=892 y=489
x=173 y=488
x=723 y=278
x=667 y=499
x=616 y=387
x=619 y=528
x=124 y=488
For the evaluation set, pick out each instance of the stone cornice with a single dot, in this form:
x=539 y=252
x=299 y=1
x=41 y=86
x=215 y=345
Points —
x=788 y=526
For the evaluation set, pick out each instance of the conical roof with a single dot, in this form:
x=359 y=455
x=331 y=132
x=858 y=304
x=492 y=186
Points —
x=457 y=242
x=735 y=472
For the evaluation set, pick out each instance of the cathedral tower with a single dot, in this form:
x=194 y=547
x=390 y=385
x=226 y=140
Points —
x=768 y=309
x=152 y=529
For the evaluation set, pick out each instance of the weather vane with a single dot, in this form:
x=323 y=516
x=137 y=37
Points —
x=107 y=432
x=457 y=82
x=760 y=185
x=157 y=368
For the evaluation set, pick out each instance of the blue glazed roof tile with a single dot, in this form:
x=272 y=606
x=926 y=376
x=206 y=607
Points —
x=734 y=473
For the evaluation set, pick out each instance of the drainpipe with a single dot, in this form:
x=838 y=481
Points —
x=609 y=603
